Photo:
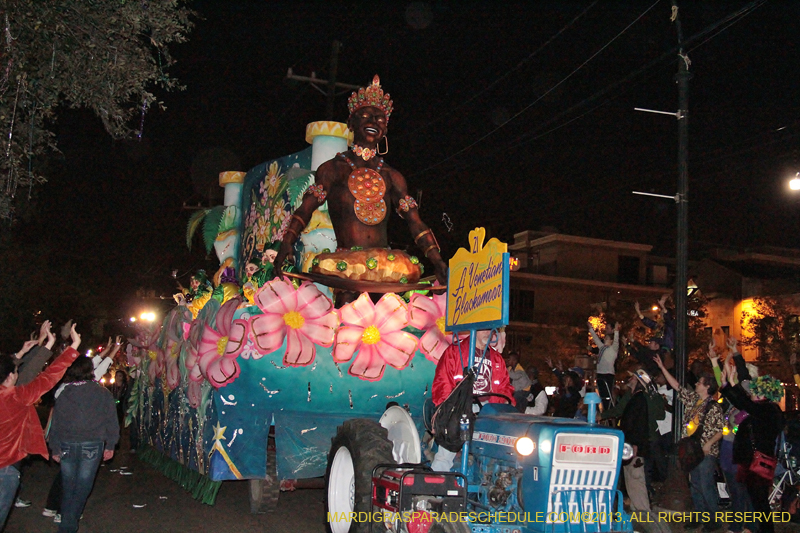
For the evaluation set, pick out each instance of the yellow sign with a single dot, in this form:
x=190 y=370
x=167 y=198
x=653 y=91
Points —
x=477 y=286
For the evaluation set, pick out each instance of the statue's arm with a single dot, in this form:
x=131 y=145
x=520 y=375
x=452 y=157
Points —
x=407 y=208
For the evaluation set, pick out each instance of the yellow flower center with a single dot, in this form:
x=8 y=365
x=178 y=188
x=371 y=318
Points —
x=294 y=320
x=152 y=355
x=221 y=344
x=371 y=335
x=440 y=324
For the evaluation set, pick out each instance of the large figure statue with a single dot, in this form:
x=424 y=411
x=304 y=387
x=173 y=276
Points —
x=358 y=185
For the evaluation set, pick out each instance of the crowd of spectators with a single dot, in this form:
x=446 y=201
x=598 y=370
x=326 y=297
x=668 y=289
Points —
x=734 y=410
x=83 y=426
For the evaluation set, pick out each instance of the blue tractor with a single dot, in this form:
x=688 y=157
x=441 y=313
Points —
x=523 y=474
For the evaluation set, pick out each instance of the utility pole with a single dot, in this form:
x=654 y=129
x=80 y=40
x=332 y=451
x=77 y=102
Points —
x=681 y=278
x=331 y=84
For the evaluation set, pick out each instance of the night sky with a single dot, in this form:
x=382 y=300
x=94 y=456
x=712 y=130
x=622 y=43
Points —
x=500 y=120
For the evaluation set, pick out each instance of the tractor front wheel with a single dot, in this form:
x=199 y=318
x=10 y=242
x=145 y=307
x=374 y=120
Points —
x=358 y=446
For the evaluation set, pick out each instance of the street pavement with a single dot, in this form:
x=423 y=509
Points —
x=146 y=501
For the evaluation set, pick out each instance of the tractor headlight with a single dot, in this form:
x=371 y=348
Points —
x=524 y=446
x=627 y=452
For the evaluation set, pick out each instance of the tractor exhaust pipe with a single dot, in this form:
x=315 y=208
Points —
x=592 y=399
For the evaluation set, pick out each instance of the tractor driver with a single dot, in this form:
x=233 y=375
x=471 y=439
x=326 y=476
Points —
x=490 y=376
x=354 y=184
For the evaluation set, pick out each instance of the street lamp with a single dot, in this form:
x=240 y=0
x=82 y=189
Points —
x=148 y=316
x=794 y=183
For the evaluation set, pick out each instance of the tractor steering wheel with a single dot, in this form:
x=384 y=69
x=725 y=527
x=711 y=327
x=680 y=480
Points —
x=476 y=398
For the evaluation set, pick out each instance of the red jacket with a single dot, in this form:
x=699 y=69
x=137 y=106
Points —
x=20 y=430
x=450 y=370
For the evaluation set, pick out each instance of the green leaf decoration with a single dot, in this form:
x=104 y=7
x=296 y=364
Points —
x=299 y=180
x=228 y=219
x=211 y=225
x=194 y=223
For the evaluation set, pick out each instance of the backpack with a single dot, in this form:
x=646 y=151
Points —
x=446 y=421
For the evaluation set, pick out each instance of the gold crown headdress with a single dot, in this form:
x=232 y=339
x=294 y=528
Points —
x=371 y=96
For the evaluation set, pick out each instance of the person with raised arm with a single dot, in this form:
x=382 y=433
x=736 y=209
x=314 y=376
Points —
x=83 y=432
x=20 y=430
x=700 y=410
x=607 y=351
x=740 y=498
x=756 y=434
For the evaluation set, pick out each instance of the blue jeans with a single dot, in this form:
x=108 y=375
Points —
x=79 y=464
x=740 y=501
x=704 y=489
x=9 y=482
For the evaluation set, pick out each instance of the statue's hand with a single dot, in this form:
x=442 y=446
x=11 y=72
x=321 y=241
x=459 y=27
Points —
x=440 y=269
x=278 y=262
x=276 y=269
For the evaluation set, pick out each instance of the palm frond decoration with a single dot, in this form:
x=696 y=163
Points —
x=194 y=222
x=211 y=225
x=298 y=181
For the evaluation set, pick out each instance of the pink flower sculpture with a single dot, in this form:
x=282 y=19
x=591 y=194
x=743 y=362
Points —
x=428 y=314
x=173 y=372
x=223 y=371
x=225 y=342
x=155 y=368
x=375 y=332
x=304 y=317
x=194 y=393
x=193 y=343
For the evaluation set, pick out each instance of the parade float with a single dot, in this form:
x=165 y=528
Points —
x=250 y=375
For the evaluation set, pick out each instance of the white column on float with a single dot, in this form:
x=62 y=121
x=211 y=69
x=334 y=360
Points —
x=327 y=139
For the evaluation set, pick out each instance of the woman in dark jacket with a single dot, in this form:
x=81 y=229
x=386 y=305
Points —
x=83 y=432
x=759 y=431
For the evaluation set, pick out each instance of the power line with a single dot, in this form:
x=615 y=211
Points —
x=505 y=75
x=554 y=87
x=536 y=134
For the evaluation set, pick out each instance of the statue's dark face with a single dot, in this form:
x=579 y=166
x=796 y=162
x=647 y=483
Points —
x=368 y=125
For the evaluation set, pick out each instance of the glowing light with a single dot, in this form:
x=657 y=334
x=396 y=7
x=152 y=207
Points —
x=546 y=446
x=726 y=430
x=133 y=319
x=524 y=446
x=89 y=352
x=627 y=452
x=148 y=316
x=111 y=381
x=655 y=308
x=794 y=184
x=102 y=380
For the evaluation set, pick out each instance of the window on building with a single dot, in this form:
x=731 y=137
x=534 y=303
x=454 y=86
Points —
x=520 y=305
x=658 y=275
x=628 y=269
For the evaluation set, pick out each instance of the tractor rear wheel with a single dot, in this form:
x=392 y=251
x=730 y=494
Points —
x=358 y=446
x=264 y=493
